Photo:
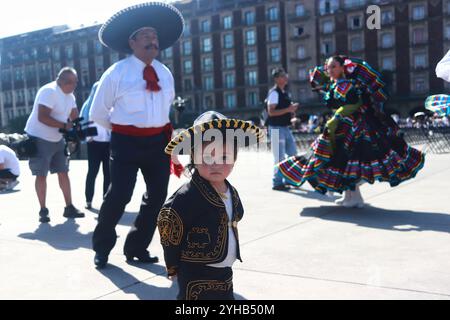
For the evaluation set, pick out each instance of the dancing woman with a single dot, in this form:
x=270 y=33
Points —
x=360 y=143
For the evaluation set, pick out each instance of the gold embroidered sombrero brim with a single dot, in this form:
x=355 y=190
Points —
x=164 y=18
x=253 y=134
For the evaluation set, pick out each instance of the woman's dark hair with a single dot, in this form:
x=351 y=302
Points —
x=339 y=58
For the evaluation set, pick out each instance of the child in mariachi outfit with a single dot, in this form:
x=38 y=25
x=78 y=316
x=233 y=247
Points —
x=198 y=224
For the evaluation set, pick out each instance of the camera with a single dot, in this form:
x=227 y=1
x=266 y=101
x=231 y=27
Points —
x=79 y=132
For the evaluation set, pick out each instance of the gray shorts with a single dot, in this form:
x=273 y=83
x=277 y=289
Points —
x=50 y=156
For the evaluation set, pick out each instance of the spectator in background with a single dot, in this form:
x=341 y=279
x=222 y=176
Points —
x=98 y=153
x=9 y=169
x=53 y=109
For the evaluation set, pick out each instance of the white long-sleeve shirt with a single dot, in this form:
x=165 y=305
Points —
x=122 y=98
x=443 y=68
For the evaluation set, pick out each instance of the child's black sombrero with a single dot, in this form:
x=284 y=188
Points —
x=251 y=134
x=164 y=18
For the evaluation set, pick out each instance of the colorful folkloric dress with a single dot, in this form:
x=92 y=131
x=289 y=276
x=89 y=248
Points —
x=360 y=142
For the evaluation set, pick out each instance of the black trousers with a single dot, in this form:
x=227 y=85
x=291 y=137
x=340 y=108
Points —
x=128 y=155
x=98 y=153
x=204 y=283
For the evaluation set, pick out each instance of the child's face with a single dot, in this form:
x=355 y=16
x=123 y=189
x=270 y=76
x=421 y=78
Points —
x=215 y=165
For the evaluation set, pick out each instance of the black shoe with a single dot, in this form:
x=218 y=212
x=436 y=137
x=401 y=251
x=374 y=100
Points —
x=88 y=205
x=100 y=261
x=144 y=258
x=72 y=212
x=43 y=216
x=281 y=187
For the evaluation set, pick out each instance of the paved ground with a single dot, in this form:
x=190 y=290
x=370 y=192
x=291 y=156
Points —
x=295 y=245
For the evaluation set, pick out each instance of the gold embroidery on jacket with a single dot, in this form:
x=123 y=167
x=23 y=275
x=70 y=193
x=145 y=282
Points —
x=170 y=227
x=207 y=192
x=217 y=252
x=195 y=288
x=198 y=238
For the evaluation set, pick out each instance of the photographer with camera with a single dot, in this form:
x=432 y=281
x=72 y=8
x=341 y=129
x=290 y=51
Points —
x=9 y=169
x=54 y=104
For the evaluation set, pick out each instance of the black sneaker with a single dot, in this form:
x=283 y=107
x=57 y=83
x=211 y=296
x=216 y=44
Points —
x=280 y=187
x=72 y=212
x=88 y=205
x=43 y=216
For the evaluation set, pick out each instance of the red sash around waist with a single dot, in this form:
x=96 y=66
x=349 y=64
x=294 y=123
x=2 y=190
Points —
x=142 y=132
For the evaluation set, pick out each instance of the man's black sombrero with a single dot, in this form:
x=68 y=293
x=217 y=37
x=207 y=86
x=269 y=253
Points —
x=213 y=120
x=163 y=17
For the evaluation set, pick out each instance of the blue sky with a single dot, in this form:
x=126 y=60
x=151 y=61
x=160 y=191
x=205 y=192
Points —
x=20 y=16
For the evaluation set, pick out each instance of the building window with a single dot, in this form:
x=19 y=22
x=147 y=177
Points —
x=275 y=55
x=301 y=52
x=206 y=45
x=420 y=85
x=68 y=52
x=208 y=83
x=418 y=12
x=272 y=14
x=230 y=100
x=327 y=48
x=228 y=41
x=187 y=66
x=387 y=17
x=84 y=64
x=187 y=30
x=249 y=18
x=167 y=53
x=56 y=68
x=250 y=37
x=187 y=48
x=355 y=22
x=228 y=61
x=98 y=47
x=56 y=53
x=420 y=60
x=209 y=102
x=251 y=78
x=354 y=3
x=274 y=33
x=187 y=84
x=356 y=44
x=419 y=36
x=251 y=58
x=298 y=31
x=387 y=63
x=31 y=71
x=302 y=74
x=229 y=80
x=114 y=57
x=83 y=48
x=387 y=40
x=300 y=10
x=447 y=31
x=44 y=69
x=205 y=26
x=207 y=64
x=227 y=22
x=99 y=67
x=327 y=26
x=252 y=99
x=328 y=6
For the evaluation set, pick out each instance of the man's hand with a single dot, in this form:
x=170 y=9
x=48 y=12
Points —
x=293 y=107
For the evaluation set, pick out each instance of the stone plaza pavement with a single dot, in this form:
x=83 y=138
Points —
x=295 y=245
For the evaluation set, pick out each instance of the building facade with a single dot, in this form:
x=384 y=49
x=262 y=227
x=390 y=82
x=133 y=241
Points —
x=224 y=59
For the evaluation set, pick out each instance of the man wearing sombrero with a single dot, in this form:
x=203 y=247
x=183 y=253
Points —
x=133 y=99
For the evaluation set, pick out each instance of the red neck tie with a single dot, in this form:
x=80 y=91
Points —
x=152 y=79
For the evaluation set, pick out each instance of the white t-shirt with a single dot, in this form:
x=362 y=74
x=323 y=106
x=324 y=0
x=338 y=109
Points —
x=61 y=104
x=121 y=97
x=443 y=68
x=103 y=134
x=273 y=98
x=232 y=243
x=9 y=159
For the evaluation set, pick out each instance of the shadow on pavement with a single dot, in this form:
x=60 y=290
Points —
x=143 y=291
x=311 y=194
x=378 y=218
x=130 y=285
x=63 y=237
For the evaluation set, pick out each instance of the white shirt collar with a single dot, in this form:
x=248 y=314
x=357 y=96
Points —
x=141 y=63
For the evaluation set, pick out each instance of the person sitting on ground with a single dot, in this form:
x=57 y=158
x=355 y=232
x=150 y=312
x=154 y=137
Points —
x=9 y=169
